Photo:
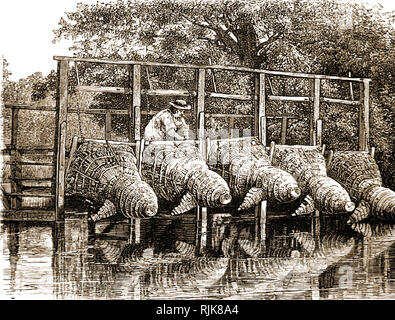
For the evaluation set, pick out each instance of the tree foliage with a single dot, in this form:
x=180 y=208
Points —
x=316 y=36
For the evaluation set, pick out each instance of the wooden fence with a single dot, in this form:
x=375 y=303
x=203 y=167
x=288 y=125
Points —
x=259 y=116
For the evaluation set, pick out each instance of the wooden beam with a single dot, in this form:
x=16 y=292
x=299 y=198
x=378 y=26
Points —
x=271 y=152
x=203 y=229
x=30 y=107
x=103 y=89
x=168 y=92
x=319 y=132
x=260 y=221
x=372 y=150
x=16 y=170
x=191 y=66
x=288 y=98
x=364 y=116
x=260 y=106
x=107 y=127
x=227 y=115
x=231 y=124
x=99 y=111
x=243 y=97
x=201 y=78
x=263 y=130
x=316 y=107
x=340 y=101
x=136 y=100
x=330 y=157
x=61 y=131
x=284 y=122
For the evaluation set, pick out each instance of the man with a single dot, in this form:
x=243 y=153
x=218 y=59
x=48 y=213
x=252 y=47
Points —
x=168 y=124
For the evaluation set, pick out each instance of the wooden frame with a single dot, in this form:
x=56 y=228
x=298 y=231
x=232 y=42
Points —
x=258 y=98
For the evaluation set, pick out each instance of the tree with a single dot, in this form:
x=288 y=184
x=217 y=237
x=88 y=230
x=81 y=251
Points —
x=329 y=37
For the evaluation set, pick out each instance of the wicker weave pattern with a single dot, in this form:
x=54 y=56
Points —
x=179 y=172
x=100 y=171
x=359 y=174
x=245 y=165
x=309 y=169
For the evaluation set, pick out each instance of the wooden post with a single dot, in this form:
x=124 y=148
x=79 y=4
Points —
x=271 y=152
x=108 y=130
x=315 y=92
x=316 y=228
x=316 y=107
x=330 y=157
x=260 y=222
x=319 y=132
x=372 y=150
x=263 y=134
x=260 y=131
x=260 y=107
x=283 y=129
x=136 y=103
x=203 y=230
x=61 y=131
x=201 y=211
x=201 y=74
x=231 y=125
x=16 y=170
x=364 y=116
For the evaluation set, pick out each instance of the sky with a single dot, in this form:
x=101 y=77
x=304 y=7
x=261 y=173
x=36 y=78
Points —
x=26 y=33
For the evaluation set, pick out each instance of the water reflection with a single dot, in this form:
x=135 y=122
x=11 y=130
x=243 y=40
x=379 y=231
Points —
x=302 y=258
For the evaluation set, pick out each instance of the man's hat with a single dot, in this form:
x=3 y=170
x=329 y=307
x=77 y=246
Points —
x=181 y=105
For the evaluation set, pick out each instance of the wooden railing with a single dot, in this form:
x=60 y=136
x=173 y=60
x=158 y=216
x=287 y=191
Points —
x=258 y=98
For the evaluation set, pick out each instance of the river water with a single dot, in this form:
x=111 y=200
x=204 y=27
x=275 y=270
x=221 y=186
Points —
x=175 y=258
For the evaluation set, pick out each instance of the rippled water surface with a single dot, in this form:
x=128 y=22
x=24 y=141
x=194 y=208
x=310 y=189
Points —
x=302 y=258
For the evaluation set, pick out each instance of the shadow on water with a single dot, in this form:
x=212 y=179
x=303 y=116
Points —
x=174 y=258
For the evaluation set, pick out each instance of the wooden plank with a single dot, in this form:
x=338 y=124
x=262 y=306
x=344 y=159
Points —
x=271 y=152
x=372 y=150
x=319 y=132
x=31 y=163
x=61 y=131
x=201 y=78
x=316 y=107
x=288 y=98
x=284 y=121
x=168 y=92
x=80 y=139
x=203 y=229
x=16 y=170
x=28 y=215
x=227 y=115
x=262 y=214
x=33 y=183
x=34 y=195
x=191 y=66
x=107 y=126
x=242 y=97
x=231 y=124
x=74 y=144
x=102 y=89
x=263 y=131
x=136 y=100
x=260 y=105
x=364 y=116
x=30 y=107
x=99 y=111
x=330 y=157
x=341 y=101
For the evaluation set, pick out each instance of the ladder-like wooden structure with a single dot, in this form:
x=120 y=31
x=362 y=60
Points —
x=259 y=98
